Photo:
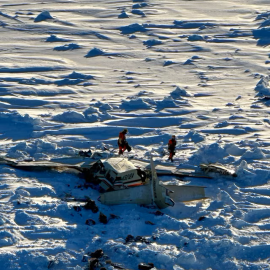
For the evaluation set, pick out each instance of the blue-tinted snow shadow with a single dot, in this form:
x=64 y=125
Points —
x=150 y=122
x=15 y=130
x=96 y=133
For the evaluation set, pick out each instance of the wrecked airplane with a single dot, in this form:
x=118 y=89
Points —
x=121 y=181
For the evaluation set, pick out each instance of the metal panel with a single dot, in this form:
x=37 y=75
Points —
x=138 y=195
x=186 y=193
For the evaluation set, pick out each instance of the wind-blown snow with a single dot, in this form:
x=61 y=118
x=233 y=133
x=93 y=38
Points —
x=73 y=74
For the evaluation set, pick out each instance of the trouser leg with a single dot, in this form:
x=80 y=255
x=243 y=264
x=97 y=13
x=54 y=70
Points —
x=172 y=153
x=122 y=148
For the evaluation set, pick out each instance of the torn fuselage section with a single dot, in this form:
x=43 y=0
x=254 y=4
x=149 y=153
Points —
x=116 y=173
x=153 y=192
x=217 y=168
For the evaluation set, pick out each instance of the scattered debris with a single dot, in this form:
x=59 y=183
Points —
x=91 y=205
x=90 y=222
x=103 y=218
x=97 y=254
x=158 y=213
x=85 y=153
x=118 y=266
x=93 y=263
x=218 y=168
x=149 y=222
x=131 y=238
x=99 y=260
x=145 y=266
x=77 y=208
x=142 y=239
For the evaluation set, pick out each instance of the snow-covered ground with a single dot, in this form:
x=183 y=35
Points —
x=74 y=73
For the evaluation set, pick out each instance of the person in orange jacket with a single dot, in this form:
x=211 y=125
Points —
x=171 y=147
x=122 y=143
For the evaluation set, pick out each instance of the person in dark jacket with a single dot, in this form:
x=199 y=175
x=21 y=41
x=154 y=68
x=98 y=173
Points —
x=171 y=147
x=122 y=142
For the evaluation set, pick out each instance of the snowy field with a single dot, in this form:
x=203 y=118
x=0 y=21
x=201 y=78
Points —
x=74 y=73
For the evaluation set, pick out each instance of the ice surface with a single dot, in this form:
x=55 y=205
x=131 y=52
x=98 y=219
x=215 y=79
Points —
x=73 y=74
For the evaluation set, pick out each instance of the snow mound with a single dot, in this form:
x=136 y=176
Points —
x=43 y=16
x=139 y=5
x=66 y=47
x=262 y=87
x=193 y=136
x=69 y=117
x=39 y=149
x=193 y=24
x=94 y=52
x=221 y=124
x=67 y=81
x=168 y=63
x=234 y=150
x=22 y=218
x=23 y=192
x=123 y=15
x=134 y=104
x=54 y=38
x=243 y=166
x=265 y=23
x=209 y=154
x=103 y=106
x=6 y=239
x=253 y=154
x=167 y=102
x=195 y=38
x=262 y=35
x=263 y=16
x=188 y=62
x=91 y=114
x=152 y=42
x=178 y=93
x=15 y=117
x=94 y=115
x=76 y=75
x=132 y=28
x=138 y=12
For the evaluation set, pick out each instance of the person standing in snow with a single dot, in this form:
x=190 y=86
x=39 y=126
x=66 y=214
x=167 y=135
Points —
x=171 y=147
x=122 y=142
